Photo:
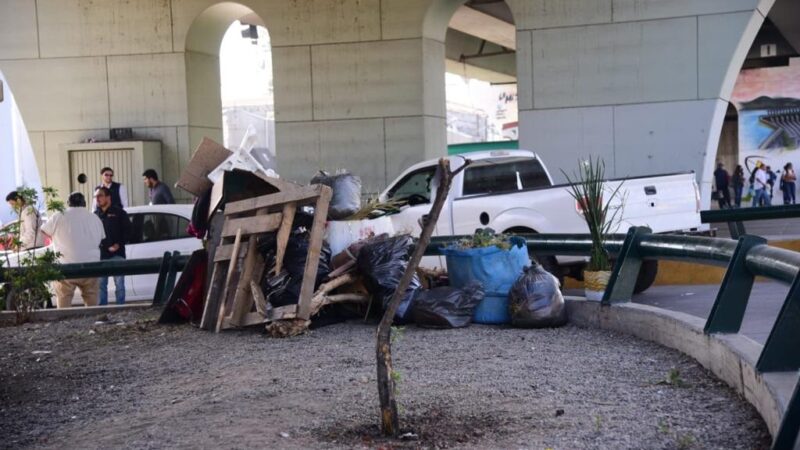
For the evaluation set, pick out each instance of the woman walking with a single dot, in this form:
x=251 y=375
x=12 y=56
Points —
x=788 y=179
x=737 y=182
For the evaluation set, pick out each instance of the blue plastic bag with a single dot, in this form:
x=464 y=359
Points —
x=496 y=269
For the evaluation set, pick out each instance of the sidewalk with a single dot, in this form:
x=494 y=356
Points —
x=765 y=302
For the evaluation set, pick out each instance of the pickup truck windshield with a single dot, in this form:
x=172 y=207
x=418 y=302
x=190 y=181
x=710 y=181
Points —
x=414 y=187
x=504 y=175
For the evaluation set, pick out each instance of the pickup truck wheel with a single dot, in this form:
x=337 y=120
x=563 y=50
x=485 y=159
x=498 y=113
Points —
x=550 y=264
x=647 y=275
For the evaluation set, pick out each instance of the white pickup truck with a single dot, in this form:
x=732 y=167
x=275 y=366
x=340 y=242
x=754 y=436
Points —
x=511 y=191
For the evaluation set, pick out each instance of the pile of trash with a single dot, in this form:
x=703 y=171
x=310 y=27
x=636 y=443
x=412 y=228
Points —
x=291 y=257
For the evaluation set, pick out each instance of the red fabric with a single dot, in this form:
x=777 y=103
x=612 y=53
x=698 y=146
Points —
x=190 y=304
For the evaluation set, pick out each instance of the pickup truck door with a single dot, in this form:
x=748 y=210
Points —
x=486 y=189
x=418 y=187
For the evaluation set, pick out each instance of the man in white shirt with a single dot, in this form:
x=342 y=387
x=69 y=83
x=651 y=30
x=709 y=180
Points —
x=76 y=234
x=760 y=186
x=30 y=235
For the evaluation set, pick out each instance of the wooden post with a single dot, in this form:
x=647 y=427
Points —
x=231 y=270
x=383 y=347
x=314 y=247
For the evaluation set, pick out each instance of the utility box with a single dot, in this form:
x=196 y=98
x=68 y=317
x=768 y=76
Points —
x=128 y=159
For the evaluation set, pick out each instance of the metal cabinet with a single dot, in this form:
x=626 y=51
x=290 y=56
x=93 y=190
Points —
x=128 y=159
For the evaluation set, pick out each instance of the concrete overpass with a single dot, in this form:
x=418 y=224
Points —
x=359 y=83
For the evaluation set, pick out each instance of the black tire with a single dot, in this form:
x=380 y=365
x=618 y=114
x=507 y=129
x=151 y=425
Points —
x=647 y=275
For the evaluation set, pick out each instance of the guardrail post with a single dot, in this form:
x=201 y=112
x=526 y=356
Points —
x=736 y=229
x=172 y=274
x=162 y=277
x=780 y=351
x=790 y=424
x=731 y=302
x=626 y=269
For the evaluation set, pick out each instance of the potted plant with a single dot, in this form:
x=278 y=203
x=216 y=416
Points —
x=594 y=200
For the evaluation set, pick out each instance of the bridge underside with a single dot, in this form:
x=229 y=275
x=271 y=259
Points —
x=360 y=84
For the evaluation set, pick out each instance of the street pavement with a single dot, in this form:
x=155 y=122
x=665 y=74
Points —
x=765 y=302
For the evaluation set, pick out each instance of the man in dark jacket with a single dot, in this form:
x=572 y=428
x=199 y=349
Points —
x=159 y=192
x=119 y=195
x=722 y=180
x=116 y=225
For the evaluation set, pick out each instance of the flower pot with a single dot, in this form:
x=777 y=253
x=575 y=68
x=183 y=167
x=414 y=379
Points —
x=594 y=284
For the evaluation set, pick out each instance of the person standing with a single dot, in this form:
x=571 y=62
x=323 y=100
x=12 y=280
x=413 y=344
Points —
x=760 y=185
x=722 y=179
x=116 y=225
x=771 y=177
x=30 y=223
x=159 y=192
x=76 y=235
x=119 y=195
x=737 y=182
x=788 y=180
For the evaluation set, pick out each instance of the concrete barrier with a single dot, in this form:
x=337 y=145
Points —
x=730 y=357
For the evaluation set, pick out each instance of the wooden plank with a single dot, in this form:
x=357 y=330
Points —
x=249 y=320
x=225 y=251
x=253 y=318
x=284 y=231
x=231 y=269
x=211 y=308
x=253 y=268
x=283 y=312
x=304 y=194
x=258 y=298
x=314 y=248
x=252 y=225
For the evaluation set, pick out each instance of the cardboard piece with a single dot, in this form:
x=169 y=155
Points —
x=207 y=156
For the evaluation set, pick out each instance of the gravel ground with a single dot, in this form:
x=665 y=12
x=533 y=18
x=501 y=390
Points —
x=133 y=384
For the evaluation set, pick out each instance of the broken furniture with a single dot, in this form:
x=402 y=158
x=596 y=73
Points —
x=230 y=301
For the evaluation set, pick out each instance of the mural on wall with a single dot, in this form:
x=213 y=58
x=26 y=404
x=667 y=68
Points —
x=768 y=102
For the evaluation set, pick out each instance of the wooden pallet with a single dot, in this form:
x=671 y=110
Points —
x=229 y=301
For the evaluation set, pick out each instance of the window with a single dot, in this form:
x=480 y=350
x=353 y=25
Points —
x=153 y=227
x=505 y=175
x=416 y=186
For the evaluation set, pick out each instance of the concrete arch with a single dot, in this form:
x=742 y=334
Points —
x=750 y=24
x=495 y=33
x=202 y=48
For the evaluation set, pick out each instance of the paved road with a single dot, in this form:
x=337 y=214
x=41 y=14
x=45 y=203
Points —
x=765 y=302
x=778 y=229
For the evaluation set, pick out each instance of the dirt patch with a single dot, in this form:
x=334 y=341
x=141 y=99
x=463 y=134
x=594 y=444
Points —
x=126 y=382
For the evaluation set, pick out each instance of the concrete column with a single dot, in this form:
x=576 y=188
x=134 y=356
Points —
x=642 y=83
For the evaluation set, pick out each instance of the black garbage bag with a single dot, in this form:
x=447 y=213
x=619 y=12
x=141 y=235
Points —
x=446 y=306
x=294 y=264
x=346 y=199
x=535 y=300
x=382 y=261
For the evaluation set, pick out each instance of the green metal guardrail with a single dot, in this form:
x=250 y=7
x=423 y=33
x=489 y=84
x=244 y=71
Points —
x=745 y=258
x=735 y=218
x=166 y=267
